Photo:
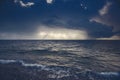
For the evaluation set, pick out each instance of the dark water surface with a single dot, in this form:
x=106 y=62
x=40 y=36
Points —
x=59 y=60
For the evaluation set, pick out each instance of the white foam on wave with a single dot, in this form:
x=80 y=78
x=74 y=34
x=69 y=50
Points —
x=109 y=73
x=7 y=61
x=31 y=65
x=22 y=63
x=59 y=74
x=55 y=73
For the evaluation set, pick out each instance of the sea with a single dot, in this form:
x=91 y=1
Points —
x=59 y=60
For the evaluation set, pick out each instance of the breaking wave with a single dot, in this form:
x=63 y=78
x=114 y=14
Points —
x=62 y=73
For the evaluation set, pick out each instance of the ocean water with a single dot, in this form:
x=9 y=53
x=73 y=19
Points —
x=59 y=60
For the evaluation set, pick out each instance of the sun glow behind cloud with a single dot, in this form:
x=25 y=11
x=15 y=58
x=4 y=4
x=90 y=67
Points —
x=61 y=34
x=47 y=33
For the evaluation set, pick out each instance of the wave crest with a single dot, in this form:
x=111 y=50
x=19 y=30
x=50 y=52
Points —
x=57 y=72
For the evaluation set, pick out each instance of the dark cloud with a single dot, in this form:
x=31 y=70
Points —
x=23 y=19
x=1 y=2
x=109 y=16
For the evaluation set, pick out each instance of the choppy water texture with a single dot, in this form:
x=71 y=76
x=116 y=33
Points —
x=59 y=60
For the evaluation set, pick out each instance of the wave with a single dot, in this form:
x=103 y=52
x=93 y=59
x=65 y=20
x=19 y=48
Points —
x=66 y=72
x=21 y=62
x=7 y=61
x=56 y=72
x=109 y=73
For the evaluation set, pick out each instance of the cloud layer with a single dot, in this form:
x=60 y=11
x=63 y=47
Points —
x=106 y=17
x=46 y=33
x=65 y=19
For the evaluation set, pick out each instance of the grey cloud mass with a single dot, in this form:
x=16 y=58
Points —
x=106 y=17
x=68 y=19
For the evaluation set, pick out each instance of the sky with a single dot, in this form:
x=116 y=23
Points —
x=60 y=19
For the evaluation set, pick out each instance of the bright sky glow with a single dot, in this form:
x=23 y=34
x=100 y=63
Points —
x=61 y=33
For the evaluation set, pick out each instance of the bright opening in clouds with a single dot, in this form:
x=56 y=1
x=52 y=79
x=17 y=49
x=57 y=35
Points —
x=61 y=33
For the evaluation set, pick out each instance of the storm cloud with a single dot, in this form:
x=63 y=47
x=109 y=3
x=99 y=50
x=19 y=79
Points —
x=21 y=19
